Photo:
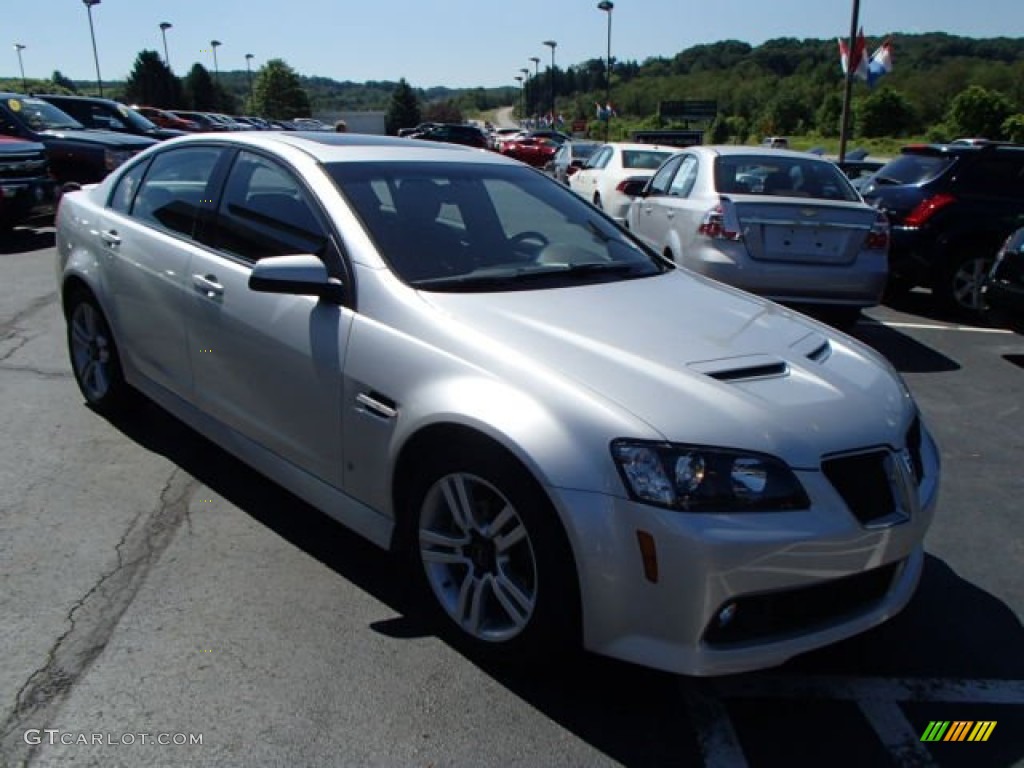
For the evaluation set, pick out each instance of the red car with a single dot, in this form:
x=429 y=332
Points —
x=532 y=150
x=166 y=119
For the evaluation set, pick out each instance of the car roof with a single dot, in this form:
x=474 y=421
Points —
x=328 y=146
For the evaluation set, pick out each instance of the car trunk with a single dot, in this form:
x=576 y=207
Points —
x=798 y=232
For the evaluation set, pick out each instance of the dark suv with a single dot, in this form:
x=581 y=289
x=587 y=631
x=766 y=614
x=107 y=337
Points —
x=469 y=135
x=26 y=189
x=950 y=208
x=109 y=115
x=76 y=154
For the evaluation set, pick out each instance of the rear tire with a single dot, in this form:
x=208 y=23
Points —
x=490 y=555
x=94 y=357
x=958 y=282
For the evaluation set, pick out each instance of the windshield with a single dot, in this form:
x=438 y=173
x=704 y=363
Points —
x=643 y=159
x=136 y=120
x=40 y=115
x=469 y=227
x=790 y=176
x=912 y=168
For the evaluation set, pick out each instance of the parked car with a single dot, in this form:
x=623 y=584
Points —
x=206 y=122
x=859 y=171
x=421 y=128
x=534 y=151
x=500 y=135
x=109 y=115
x=167 y=119
x=75 y=154
x=26 y=189
x=452 y=133
x=568 y=437
x=570 y=157
x=1003 y=289
x=775 y=142
x=951 y=207
x=603 y=179
x=781 y=224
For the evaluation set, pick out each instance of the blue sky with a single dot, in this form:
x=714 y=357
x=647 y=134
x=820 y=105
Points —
x=457 y=43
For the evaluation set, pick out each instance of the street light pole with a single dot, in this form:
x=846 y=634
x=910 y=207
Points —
x=214 y=44
x=607 y=5
x=249 y=57
x=519 y=79
x=533 y=89
x=92 y=33
x=24 y=83
x=164 y=26
x=526 y=82
x=552 y=45
x=844 y=130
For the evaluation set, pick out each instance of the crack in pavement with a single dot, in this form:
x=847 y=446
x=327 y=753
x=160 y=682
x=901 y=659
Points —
x=42 y=373
x=33 y=306
x=94 y=618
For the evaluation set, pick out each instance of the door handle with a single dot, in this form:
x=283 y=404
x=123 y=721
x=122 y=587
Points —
x=110 y=237
x=208 y=285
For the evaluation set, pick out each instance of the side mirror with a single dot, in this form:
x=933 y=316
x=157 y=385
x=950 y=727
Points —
x=633 y=187
x=301 y=275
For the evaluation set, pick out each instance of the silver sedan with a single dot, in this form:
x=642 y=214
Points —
x=786 y=225
x=570 y=439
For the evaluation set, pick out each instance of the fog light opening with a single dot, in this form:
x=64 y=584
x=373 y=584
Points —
x=726 y=615
x=649 y=553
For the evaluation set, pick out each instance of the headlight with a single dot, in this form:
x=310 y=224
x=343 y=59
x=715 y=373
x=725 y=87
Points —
x=696 y=478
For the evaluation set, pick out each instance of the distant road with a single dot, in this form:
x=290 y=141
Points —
x=504 y=118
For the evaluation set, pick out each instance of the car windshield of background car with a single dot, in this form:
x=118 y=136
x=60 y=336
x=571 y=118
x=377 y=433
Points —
x=643 y=159
x=913 y=169
x=484 y=227
x=787 y=177
x=40 y=115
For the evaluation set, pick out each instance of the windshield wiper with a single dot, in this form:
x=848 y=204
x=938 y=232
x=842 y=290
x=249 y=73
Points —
x=506 y=277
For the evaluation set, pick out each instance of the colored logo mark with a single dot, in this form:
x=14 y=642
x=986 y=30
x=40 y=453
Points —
x=958 y=730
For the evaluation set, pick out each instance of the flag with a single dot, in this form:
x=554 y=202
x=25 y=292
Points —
x=881 y=62
x=858 y=62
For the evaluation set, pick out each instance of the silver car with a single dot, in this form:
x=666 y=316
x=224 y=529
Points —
x=571 y=439
x=786 y=225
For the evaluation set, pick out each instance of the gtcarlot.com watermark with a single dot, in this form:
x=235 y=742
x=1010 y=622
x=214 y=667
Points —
x=37 y=736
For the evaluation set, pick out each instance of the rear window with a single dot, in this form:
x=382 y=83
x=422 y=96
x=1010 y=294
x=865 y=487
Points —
x=782 y=176
x=913 y=168
x=643 y=159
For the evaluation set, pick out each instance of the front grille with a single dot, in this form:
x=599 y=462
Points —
x=776 y=614
x=863 y=483
x=22 y=166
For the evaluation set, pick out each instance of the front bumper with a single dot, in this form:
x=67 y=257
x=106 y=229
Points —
x=832 y=576
x=25 y=199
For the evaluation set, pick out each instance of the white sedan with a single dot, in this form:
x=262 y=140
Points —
x=602 y=179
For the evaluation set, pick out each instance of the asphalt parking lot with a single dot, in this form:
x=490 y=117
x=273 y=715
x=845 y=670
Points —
x=152 y=586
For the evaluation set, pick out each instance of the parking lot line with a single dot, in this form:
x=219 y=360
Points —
x=875 y=688
x=716 y=736
x=896 y=733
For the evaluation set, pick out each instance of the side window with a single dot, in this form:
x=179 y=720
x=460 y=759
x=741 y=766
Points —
x=683 y=182
x=603 y=158
x=661 y=180
x=123 y=196
x=175 y=189
x=265 y=212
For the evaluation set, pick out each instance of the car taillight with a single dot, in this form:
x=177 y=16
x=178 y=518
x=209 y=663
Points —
x=878 y=237
x=720 y=223
x=927 y=208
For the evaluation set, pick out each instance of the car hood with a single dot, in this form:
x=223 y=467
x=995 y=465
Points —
x=108 y=139
x=699 y=363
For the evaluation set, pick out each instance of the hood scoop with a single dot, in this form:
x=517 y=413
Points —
x=813 y=346
x=742 y=368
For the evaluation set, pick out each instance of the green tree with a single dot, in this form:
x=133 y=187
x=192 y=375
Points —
x=200 y=93
x=978 y=111
x=885 y=112
x=63 y=81
x=152 y=83
x=278 y=93
x=829 y=115
x=404 y=110
x=1013 y=128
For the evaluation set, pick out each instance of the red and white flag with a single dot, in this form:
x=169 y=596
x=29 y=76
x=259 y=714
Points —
x=858 y=61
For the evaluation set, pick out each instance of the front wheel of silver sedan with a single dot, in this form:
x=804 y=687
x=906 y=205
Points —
x=493 y=556
x=94 y=358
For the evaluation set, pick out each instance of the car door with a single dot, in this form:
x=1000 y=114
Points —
x=648 y=217
x=584 y=182
x=269 y=365
x=147 y=239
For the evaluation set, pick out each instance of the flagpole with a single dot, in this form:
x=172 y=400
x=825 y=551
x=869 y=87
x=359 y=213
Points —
x=848 y=85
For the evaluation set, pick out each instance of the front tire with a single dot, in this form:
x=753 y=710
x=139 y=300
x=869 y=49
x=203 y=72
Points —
x=491 y=555
x=959 y=282
x=93 y=354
